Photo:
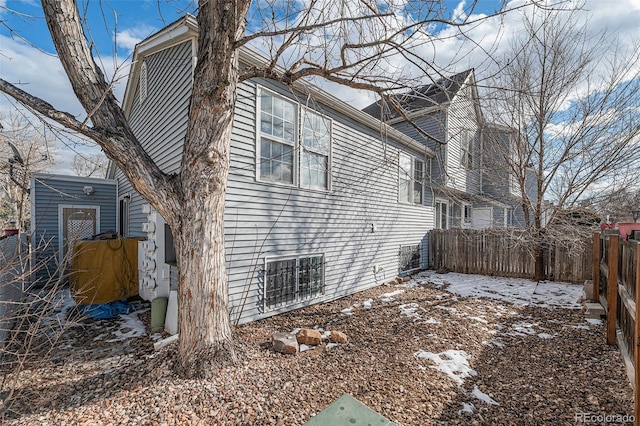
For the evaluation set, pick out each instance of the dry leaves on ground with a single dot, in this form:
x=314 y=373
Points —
x=527 y=365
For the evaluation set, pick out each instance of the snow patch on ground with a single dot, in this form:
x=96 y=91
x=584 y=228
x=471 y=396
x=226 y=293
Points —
x=483 y=396
x=346 y=312
x=513 y=290
x=389 y=297
x=522 y=329
x=410 y=310
x=454 y=363
x=466 y=408
x=131 y=326
x=594 y=321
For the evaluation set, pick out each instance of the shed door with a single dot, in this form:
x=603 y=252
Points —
x=481 y=218
x=77 y=223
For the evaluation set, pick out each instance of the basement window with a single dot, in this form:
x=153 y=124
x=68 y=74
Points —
x=409 y=258
x=289 y=281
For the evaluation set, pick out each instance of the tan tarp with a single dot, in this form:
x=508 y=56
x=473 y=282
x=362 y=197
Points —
x=104 y=271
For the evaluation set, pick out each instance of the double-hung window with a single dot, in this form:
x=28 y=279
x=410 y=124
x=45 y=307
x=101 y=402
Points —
x=442 y=214
x=466 y=147
x=316 y=142
x=410 y=179
x=295 y=144
x=277 y=139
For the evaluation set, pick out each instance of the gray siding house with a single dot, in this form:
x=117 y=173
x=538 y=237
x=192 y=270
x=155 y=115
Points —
x=446 y=117
x=65 y=208
x=319 y=204
x=499 y=181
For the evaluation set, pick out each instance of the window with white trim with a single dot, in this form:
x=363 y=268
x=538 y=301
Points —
x=466 y=215
x=289 y=281
x=316 y=143
x=442 y=213
x=290 y=134
x=466 y=147
x=410 y=179
x=277 y=138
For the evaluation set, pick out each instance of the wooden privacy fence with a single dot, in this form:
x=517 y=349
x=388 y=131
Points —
x=615 y=285
x=509 y=253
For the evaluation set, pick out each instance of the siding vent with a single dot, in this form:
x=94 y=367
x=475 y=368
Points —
x=143 y=82
x=289 y=281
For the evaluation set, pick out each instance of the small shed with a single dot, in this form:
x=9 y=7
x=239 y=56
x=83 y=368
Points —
x=64 y=209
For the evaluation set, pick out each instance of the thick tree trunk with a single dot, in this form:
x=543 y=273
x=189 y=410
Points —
x=539 y=249
x=203 y=303
x=205 y=342
x=203 y=298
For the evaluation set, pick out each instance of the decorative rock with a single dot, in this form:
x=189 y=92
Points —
x=338 y=337
x=308 y=336
x=285 y=343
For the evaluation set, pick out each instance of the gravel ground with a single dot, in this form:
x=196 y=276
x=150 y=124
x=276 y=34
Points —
x=526 y=365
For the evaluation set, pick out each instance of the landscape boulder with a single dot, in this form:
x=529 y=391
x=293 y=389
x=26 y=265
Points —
x=308 y=336
x=285 y=343
x=338 y=337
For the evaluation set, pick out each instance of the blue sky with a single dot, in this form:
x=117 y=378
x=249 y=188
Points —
x=27 y=57
x=126 y=20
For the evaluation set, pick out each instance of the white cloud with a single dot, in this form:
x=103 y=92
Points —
x=42 y=75
x=127 y=39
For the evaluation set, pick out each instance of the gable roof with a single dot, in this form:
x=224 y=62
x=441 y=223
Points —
x=186 y=28
x=439 y=93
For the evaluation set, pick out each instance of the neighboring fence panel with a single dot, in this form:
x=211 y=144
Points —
x=618 y=263
x=508 y=253
x=12 y=275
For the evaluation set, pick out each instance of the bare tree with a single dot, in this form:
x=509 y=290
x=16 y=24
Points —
x=32 y=146
x=617 y=206
x=347 y=43
x=89 y=164
x=570 y=101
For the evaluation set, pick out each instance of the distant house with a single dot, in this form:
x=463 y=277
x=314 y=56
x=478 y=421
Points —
x=320 y=202
x=64 y=209
x=472 y=187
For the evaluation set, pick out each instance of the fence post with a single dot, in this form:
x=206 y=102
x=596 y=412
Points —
x=636 y=341
x=612 y=289
x=596 y=267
